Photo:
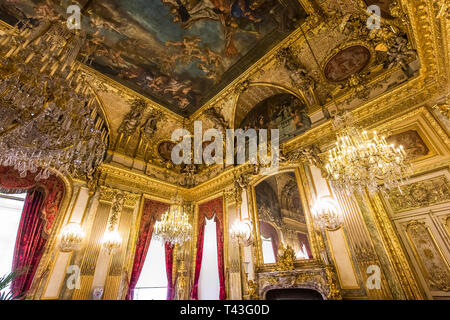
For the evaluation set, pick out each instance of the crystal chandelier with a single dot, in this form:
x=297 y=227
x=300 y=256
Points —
x=325 y=212
x=72 y=236
x=49 y=116
x=241 y=232
x=174 y=226
x=359 y=161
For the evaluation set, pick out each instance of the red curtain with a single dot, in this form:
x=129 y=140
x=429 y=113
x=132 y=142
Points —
x=151 y=212
x=268 y=231
x=169 y=268
x=29 y=243
x=40 y=210
x=11 y=182
x=220 y=257
x=198 y=259
x=208 y=210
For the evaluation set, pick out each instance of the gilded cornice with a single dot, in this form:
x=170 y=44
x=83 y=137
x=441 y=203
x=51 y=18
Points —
x=100 y=81
x=135 y=182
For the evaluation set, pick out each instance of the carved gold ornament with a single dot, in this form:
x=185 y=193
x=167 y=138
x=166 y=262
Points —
x=430 y=258
x=286 y=260
x=420 y=194
x=443 y=109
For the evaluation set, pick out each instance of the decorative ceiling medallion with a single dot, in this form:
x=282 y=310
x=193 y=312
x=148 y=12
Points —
x=347 y=62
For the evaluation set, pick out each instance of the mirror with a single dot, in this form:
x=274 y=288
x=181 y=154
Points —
x=281 y=217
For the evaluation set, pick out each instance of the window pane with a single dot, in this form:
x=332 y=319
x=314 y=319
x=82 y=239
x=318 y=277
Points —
x=152 y=283
x=209 y=282
x=150 y=293
x=267 y=248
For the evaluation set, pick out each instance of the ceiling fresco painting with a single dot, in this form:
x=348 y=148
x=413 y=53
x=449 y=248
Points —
x=346 y=63
x=282 y=111
x=179 y=53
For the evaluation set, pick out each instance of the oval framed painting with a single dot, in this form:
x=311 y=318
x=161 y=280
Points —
x=346 y=62
x=165 y=149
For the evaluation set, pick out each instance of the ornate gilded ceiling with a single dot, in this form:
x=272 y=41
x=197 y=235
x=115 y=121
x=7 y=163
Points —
x=377 y=73
x=178 y=53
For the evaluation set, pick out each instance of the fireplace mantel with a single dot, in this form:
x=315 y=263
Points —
x=320 y=279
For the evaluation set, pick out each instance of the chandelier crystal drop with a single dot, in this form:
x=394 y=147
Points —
x=49 y=117
x=174 y=226
x=361 y=161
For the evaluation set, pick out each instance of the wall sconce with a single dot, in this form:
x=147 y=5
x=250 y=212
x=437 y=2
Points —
x=112 y=241
x=72 y=237
x=325 y=212
x=241 y=232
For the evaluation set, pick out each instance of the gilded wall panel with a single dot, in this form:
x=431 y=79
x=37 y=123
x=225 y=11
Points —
x=429 y=255
x=420 y=212
x=420 y=194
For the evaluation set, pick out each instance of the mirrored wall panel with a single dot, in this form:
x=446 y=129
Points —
x=281 y=217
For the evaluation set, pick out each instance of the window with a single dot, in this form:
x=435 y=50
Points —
x=267 y=249
x=152 y=283
x=11 y=206
x=209 y=282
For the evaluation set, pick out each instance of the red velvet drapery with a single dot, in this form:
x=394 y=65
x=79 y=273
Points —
x=268 y=231
x=152 y=211
x=169 y=268
x=11 y=182
x=198 y=259
x=220 y=258
x=37 y=221
x=29 y=242
x=208 y=210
